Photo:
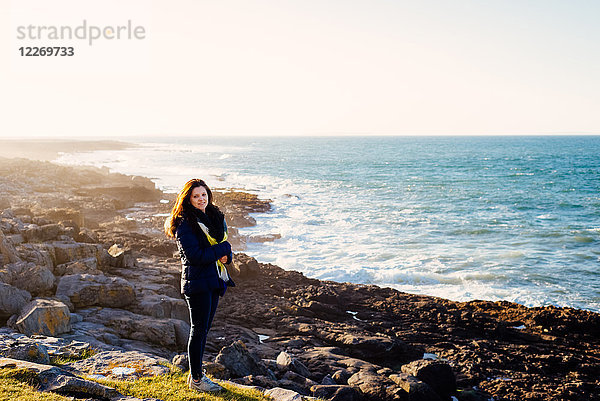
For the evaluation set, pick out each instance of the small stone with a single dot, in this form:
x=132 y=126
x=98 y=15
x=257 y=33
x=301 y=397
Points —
x=181 y=361
x=285 y=361
x=282 y=394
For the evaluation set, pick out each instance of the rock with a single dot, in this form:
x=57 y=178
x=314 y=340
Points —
x=69 y=252
x=163 y=306
x=52 y=378
x=379 y=349
x=6 y=276
x=341 y=376
x=4 y=204
x=34 y=233
x=285 y=362
x=89 y=266
x=244 y=266
x=44 y=316
x=37 y=280
x=86 y=235
x=38 y=254
x=139 y=364
x=182 y=362
x=336 y=393
x=373 y=386
x=282 y=394
x=75 y=318
x=12 y=299
x=182 y=333
x=87 y=290
x=216 y=370
x=437 y=374
x=7 y=250
x=264 y=238
x=25 y=351
x=130 y=325
x=240 y=362
x=416 y=389
x=64 y=215
x=65 y=300
x=121 y=257
x=258 y=382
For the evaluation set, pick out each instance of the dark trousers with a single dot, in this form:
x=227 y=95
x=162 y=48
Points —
x=202 y=307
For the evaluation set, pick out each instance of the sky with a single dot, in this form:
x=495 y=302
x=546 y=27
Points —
x=304 y=67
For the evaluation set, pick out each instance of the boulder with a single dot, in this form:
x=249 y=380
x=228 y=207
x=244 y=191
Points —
x=163 y=306
x=44 y=316
x=39 y=254
x=437 y=374
x=72 y=251
x=24 y=351
x=286 y=362
x=4 y=204
x=88 y=265
x=121 y=257
x=341 y=376
x=240 y=362
x=258 y=382
x=282 y=394
x=12 y=299
x=58 y=214
x=52 y=378
x=416 y=389
x=379 y=349
x=244 y=266
x=163 y=332
x=336 y=393
x=182 y=333
x=86 y=290
x=372 y=386
x=88 y=236
x=47 y=232
x=37 y=280
x=6 y=276
x=7 y=250
x=112 y=364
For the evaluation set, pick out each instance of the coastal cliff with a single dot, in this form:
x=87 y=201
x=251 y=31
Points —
x=85 y=271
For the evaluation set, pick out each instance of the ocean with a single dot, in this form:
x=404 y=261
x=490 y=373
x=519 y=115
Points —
x=493 y=218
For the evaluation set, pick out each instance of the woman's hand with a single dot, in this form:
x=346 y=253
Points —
x=223 y=259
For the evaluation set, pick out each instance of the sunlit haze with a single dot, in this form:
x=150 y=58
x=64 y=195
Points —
x=307 y=68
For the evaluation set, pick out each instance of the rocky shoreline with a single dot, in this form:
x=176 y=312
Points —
x=84 y=266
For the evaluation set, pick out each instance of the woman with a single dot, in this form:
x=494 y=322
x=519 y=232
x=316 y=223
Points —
x=201 y=233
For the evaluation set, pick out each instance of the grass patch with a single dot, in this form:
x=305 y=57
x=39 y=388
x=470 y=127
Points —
x=18 y=385
x=173 y=387
x=61 y=360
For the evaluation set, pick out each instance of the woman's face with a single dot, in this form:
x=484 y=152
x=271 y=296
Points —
x=199 y=198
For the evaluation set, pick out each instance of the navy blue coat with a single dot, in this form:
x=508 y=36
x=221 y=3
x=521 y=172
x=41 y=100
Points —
x=198 y=261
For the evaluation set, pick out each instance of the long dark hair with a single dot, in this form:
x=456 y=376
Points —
x=183 y=207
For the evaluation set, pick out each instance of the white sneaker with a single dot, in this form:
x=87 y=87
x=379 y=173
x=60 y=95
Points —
x=204 y=385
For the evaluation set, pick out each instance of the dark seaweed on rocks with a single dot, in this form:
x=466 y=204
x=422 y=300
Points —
x=90 y=242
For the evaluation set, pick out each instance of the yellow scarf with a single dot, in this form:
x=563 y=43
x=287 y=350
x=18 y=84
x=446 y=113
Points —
x=221 y=269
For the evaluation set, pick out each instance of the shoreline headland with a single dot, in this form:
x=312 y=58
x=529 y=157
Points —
x=50 y=149
x=85 y=246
